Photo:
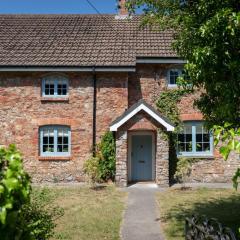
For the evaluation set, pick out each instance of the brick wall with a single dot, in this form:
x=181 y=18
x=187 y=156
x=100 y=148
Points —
x=22 y=111
x=147 y=83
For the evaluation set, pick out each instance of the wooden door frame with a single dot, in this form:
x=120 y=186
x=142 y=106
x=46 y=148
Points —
x=129 y=160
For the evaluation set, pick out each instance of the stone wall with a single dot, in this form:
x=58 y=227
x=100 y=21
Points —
x=23 y=111
x=121 y=158
x=162 y=159
x=147 y=83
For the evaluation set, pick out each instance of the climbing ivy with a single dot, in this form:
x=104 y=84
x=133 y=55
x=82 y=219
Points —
x=167 y=104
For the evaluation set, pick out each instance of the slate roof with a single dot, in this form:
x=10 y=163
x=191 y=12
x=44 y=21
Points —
x=78 y=40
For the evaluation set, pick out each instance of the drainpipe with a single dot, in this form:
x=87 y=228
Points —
x=94 y=111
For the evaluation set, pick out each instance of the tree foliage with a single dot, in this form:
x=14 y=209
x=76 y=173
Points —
x=229 y=135
x=206 y=34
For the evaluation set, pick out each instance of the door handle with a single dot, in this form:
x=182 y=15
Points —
x=141 y=161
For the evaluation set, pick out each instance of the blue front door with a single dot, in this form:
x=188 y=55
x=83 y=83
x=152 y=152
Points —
x=141 y=158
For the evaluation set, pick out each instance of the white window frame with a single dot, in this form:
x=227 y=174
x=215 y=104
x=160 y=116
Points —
x=194 y=152
x=55 y=129
x=180 y=73
x=55 y=79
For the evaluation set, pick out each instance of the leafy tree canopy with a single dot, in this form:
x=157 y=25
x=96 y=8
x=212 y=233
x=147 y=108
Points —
x=207 y=34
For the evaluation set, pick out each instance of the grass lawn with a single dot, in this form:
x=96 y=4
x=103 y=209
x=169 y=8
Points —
x=89 y=214
x=175 y=205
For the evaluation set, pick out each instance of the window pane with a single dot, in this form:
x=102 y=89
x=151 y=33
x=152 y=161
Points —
x=188 y=129
x=188 y=137
x=173 y=77
x=60 y=148
x=45 y=148
x=49 y=139
x=180 y=137
x=202 y=139
x=189 y=147
x=64 y=91
x=50 y=148
x=45 y=140
x=206 y=147
x=206 y=137
x=65 y=148
x=198 y=137
x=60 y=140
x=199 y=147
x=65 y=140
x=199 y=129
x=62 y=88
x=49 y=87
x=55 y=83
x=51 y=91
x=181 y=147
x=185 y=139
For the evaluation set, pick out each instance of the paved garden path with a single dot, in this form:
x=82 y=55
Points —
x=141 y=219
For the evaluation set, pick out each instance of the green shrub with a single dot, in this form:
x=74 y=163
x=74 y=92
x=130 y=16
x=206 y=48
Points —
x=91 y=169
x=102 y=167
x=38 y=217
x=107 y=155
x=15 y=191
x=183 y=171
x=23 y=215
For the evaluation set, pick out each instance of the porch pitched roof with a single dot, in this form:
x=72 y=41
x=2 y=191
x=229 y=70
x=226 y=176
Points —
x=141 y=105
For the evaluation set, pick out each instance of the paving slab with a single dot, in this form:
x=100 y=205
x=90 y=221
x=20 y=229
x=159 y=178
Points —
x=141 y=219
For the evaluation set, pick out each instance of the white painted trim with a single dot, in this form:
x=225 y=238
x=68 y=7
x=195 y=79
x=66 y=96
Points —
x=123 y=17
x=161 y=60
x=143 y=107
x=180 y=72
x=129 y=160
x=67 y=69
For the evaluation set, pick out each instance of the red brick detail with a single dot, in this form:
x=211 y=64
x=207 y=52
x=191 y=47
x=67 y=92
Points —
x=191 y=116
x=48 y=99
x=56 y=121
x=217 y=153
x=54 y=158
x=142 y=125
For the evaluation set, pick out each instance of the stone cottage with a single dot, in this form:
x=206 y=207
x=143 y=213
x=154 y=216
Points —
x=67 y=79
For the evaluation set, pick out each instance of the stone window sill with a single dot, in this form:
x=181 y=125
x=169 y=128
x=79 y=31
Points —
x=55 y=99
x=54 y=158
x=197 y=156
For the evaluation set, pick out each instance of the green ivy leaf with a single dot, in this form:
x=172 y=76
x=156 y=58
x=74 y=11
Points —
x=225 y=152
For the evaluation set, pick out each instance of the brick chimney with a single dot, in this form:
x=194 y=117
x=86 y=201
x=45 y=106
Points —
x=122 y=9
x=123 y=12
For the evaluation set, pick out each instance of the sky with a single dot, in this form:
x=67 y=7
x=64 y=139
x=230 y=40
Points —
x=57 y=6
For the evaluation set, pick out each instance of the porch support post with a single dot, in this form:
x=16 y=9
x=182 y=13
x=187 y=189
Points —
x=121 y=159
x=162 y=159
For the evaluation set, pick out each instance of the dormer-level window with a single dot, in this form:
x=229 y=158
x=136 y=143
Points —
x=172 y=76
x=55 y=86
